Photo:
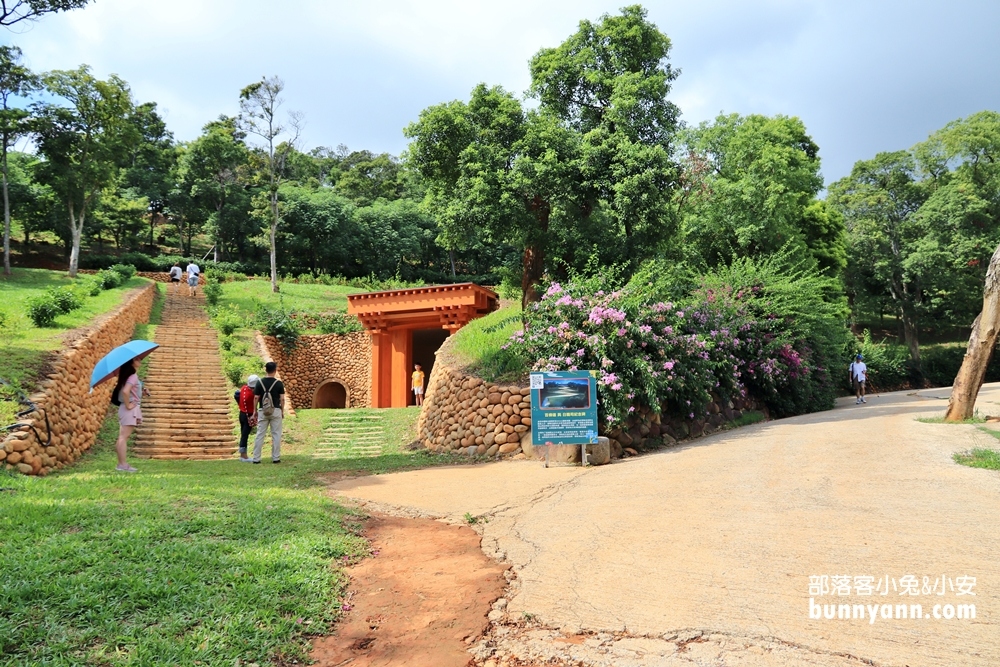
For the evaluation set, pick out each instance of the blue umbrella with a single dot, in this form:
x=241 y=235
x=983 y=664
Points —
x=108 y=367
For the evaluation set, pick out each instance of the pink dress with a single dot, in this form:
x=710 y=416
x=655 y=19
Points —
x=131 y=417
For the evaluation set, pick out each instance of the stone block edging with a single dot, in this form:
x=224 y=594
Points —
x=463 y=413
x=318 y=359
x=74 y=414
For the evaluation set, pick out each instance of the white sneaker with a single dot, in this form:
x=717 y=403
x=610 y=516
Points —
x=857 y=401
x=248 y=460
x=863 y=400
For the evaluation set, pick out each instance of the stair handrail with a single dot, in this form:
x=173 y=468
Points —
x=30 y=406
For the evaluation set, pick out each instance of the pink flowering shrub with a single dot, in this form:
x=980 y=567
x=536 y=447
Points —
x=721 y=340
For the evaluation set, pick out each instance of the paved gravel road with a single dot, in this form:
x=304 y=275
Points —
x=723 y=534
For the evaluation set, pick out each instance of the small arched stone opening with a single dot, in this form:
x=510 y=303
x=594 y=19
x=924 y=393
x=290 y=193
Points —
x=332 y=394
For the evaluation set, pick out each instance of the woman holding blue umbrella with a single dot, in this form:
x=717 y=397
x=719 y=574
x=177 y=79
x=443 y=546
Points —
x=128 y=397
x=123 y=361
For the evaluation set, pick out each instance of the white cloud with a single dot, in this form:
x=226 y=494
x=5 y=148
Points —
x=863 y=76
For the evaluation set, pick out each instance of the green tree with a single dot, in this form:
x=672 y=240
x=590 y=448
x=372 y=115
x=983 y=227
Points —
x=495 y=172
x=752 y=184
x=16 y=81
x=365 y=178
x=214 y=172
x=149 y=169
x=879 y=201
x=609 y=81
x=259 y=115
x=85 y=144
x=318 y=231
x=15 y=11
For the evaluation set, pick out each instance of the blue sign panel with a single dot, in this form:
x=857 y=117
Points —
x=564 y=408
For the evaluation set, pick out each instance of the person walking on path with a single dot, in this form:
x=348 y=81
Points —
x=193 y=272
x=245 y=398
x=270 y=393
x=859 y=375
x=127 y=396
x=175 y=275
x=417 y=382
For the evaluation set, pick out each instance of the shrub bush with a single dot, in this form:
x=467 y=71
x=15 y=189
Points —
x=338 y=323
x=279 y=323
x=227 y=321
x=108 y=279
x=43 y=310
x=213 y=292
x=65 y=299
x=756 y=327
x=126 y=271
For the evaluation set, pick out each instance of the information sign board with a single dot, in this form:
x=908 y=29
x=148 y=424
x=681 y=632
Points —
x=564 y=408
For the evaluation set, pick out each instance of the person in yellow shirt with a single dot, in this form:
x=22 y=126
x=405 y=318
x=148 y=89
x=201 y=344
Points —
x=417 y=382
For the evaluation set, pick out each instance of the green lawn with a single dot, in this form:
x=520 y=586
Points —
x=24 y=347
x=183 y=563
x=246 y=294
x=478 y=346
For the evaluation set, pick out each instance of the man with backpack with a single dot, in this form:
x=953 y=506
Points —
x=270 y=392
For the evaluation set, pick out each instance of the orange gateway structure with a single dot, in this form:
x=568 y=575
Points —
x=407 y=327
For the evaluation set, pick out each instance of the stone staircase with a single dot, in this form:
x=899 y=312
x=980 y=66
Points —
x=351 y=434
x=187 y=415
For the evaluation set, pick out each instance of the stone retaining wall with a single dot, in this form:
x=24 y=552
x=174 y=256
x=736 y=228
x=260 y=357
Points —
x=463 y=413
x=75 y=415
x=317 y=360
x=157 y=276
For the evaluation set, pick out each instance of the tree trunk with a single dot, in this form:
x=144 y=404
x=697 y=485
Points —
x=451 y=256
x=911 y=336
x=533 y=260
x=6 y=214
x=274 y=253
x=982 y=340
x=532 y=268
x=76 y=231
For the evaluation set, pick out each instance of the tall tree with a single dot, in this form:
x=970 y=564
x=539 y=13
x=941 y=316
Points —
x=14 y=11
x=84 y=144
x=214 y=173
x=16 y=81
x=879 y=201
x=147 y=173
x=259 y=115
x=762 y=173
x=496 y=172
x=609 y=81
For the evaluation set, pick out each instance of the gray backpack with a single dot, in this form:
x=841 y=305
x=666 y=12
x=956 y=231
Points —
x=266 y=401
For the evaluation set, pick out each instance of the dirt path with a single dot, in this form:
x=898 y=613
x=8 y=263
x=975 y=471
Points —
x=703 y=554
x=421 y=600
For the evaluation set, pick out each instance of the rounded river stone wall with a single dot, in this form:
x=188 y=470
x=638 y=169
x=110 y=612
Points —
x=463 y=413
x=317 y=360
x=74 y=413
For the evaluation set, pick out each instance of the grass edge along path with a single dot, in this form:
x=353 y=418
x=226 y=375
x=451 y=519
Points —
x=981 y=457
x=184 y=562
x=26 y=350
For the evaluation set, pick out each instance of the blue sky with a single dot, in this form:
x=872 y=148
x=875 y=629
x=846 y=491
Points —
x=863 y=76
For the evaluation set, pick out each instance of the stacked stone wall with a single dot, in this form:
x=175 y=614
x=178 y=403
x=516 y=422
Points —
x=316 y=360
x=462 y=413
x=156 y=276
x=74 y=413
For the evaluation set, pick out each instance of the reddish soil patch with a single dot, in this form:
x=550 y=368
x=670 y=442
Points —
x=420 y=601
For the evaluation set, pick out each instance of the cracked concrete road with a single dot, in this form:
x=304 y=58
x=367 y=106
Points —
x=722 y=535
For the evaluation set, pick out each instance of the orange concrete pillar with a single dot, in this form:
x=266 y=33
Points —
x=381 y=370
x=402 y=359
